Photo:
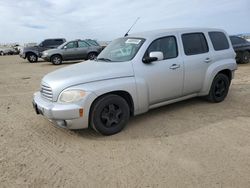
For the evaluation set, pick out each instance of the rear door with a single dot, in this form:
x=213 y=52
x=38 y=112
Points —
x=196 y=59
x=83 y=49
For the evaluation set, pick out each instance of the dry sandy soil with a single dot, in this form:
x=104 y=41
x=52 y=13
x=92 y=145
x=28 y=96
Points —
x=188 y=144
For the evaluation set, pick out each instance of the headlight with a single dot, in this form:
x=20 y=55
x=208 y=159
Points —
x=71 y=96
x=45 y=53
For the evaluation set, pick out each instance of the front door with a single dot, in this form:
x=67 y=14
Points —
x=163 y=78
x=70 y=51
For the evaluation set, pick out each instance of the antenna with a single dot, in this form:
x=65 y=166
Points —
x=132 y=26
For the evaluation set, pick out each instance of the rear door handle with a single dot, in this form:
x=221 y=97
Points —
x=174 y=66
x=207 y=60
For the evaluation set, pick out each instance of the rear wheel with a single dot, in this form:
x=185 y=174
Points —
x=56 y=59
x=245 y=57
x=1 y=53
x=92 y=55
x=219 y=88
x=109 y=114
x=32 y=58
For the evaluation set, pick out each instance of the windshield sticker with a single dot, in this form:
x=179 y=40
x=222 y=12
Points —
x=133 y=41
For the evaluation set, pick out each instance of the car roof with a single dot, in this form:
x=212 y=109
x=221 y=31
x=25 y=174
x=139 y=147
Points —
x=155 y=33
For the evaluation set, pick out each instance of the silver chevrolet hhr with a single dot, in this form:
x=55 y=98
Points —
x=137 y=73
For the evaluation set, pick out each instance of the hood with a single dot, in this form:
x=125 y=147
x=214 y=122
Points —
x=85 y=72
x=30 y=48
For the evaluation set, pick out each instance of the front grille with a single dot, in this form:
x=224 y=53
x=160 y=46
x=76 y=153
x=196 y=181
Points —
x=46 y=92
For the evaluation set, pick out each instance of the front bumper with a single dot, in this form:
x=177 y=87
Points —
x=45 y=57
x=71 y=116
x=22 y=55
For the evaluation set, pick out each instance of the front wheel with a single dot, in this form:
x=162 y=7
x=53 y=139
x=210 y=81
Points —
x=109 y=114
x=245 y=57
x=56 y=60
x=219 y=88
x=32 y=58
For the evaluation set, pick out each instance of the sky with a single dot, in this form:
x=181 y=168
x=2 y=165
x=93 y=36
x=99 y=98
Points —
x=34 y=20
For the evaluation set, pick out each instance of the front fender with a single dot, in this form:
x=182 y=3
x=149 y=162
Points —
x=213 y=70
x=126 y=84
x=32 y=51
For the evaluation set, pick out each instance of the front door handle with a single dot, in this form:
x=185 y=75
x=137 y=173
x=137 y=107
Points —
x=207 y=60
x=174 y=66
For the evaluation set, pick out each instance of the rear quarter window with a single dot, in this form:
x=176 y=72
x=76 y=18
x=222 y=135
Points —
x=194 y=43
x=219 y=40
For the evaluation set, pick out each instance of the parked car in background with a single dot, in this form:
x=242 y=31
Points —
x=73 y=50
x=17 y=49
x=242 y=48
x=136 y=73
x=32 y=53
x=7 y=51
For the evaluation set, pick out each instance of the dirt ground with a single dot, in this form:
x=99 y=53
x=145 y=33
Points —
x=188 y=144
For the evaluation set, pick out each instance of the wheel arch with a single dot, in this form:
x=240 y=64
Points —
x=226 y=67
x=30 y=52
x=226 y=72
x=57 y=54
x=122 y=93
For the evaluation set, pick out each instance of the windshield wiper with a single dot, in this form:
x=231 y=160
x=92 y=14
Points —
x=104 y=59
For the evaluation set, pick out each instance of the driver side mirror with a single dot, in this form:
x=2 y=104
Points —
x=153 y=56
x=65 y=47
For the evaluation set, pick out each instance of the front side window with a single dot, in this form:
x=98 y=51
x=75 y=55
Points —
x=122 y=49
x=166 y=45
x=71 y=45
x=194 y=43
x=219 y=40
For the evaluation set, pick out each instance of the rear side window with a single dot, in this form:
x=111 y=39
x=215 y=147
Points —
x=47 y=43
x=194 y=43
x=58 y=42
x=219 y=40
x=237 y=40
x=82 y=44
x=166 y=45
x=52 y=42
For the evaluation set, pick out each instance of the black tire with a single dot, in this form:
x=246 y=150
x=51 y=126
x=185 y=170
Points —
x=219 y=88
x=245 y=57
x=56 y=59
x=1 y=53
x=92 y=55
x=109 y=114
x=32 y=58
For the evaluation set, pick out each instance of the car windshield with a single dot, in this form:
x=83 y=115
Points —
x=120 y=50
x=61 y=46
